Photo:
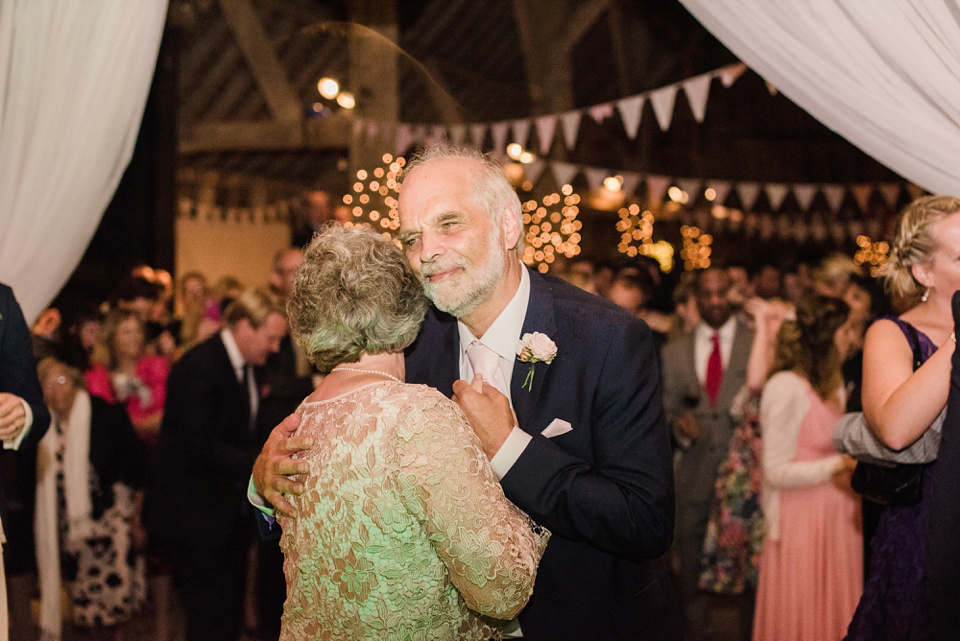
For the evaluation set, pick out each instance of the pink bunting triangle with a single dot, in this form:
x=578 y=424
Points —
x=546 y=126
x=571 y=127
x=630 y=111
x=663 y=101
x=697 y=89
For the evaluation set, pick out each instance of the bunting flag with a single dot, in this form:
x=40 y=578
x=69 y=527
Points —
x=656 y=188
x=663 y=101
x=521 y=132
x=478 y=132
x=890 y=193
x=595 y=176
x=564 y=172
x=776 y=193
x=546 y=126
x=834 y=195
x=631 y=180
x=438 y=133
x=691 y=186
x=697 y=89
x=630 y=111
x=915 y=191
x=601 y=112
x=748 y=192
x=499 y=134
x=373 y=129
x=534 y=170
x=721 y=188
x=571 y=127
x=403 y=138
x=804 y=194
x=861 y=193
x=457 y=134
x=729 y=74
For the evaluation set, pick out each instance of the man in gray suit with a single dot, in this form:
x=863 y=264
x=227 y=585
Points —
x=702 y=373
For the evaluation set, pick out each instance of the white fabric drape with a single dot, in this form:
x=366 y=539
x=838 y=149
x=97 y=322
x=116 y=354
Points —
x=884 y=75
x=74 y=78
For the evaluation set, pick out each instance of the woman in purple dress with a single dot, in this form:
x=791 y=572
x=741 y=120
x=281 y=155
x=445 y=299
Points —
x=900 y=402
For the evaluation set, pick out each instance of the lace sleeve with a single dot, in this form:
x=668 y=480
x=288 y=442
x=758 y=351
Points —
x=489 y=546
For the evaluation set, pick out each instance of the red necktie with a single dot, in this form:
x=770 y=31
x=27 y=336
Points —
x=714 y=370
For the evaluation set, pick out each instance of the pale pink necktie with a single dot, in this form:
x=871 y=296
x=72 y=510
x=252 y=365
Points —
x=486 y=362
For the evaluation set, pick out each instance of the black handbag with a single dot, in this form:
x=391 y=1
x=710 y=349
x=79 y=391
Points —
x=894 y=483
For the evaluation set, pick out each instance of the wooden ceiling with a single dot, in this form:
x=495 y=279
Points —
x=248 y=72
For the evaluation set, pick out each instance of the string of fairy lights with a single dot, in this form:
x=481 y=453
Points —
x=553 y=228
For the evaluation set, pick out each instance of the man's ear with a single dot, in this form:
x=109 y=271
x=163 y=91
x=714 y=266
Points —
x=511 y=227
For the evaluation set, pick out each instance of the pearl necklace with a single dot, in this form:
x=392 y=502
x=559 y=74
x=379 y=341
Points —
x=366 y=371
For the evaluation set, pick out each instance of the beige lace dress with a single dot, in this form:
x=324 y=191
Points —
x=404 y=531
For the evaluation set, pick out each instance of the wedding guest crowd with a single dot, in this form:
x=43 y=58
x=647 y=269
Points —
x=162 y=396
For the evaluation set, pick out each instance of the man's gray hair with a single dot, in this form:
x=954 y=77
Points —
x=490 y=190
x=355 y=294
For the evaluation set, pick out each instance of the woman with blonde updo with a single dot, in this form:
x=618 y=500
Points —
x=901 y=401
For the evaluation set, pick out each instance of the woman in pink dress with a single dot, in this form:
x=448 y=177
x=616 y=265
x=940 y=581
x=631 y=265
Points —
x=811 y=567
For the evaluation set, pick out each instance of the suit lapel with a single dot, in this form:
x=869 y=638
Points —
x=539 y=318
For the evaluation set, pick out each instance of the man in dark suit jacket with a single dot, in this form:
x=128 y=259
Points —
x=589 y=455
x=207 y=446
x=24 y=419
x=944 y=553
x=704 y=427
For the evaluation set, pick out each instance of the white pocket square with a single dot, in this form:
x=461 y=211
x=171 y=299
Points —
x=557 y=427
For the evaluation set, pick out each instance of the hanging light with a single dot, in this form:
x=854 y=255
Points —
x=346 y=100
x=328 y=88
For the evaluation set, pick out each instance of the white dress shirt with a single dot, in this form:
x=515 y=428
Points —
x=502 y=338
x=703 y=345
x=239 y=364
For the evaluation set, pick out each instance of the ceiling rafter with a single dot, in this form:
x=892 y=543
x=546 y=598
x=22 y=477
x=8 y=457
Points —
x=258 y=51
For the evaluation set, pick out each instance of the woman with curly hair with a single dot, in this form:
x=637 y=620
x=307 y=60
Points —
x=403 y=530
x=811 y=567
x=901 y=401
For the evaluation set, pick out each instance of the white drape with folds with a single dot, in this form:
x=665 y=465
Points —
x=884 y=75
x=74 y=78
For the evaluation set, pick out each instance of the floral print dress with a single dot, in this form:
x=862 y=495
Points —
x=404 y=531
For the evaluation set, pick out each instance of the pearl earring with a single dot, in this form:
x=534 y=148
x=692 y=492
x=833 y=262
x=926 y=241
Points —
x=926 y=295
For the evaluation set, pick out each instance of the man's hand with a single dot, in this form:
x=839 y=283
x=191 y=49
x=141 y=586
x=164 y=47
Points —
x=488 y=412
x=12 y=416
x=271 y=468
x=689 y=426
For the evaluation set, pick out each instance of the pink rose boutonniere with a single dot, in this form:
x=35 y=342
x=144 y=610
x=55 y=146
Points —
x=535 y=348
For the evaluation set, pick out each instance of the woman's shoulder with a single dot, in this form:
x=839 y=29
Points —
x=153 y=364
x=784 y=383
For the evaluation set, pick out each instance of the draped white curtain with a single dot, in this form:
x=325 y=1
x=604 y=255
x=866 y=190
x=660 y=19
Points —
x=885 y=75
x=74 y=78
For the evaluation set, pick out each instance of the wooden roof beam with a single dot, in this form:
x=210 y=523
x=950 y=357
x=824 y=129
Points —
x=279 y=95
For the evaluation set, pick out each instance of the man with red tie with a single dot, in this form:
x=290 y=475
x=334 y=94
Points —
x=702 y=373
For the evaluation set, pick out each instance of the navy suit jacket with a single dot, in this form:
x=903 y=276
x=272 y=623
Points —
x=605 y=489
x=18 y=375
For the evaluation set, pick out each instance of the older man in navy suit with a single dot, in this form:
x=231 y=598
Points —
x=578 y=440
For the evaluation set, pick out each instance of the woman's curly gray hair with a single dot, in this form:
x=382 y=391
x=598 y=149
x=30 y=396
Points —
x=354 y=294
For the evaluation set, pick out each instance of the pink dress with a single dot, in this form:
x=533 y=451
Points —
x=812 y=577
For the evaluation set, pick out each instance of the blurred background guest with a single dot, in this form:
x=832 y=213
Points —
x=811 y=567
x=89 y=498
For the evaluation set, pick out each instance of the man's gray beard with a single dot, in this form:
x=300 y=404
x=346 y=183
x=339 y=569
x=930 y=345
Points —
x=460 y=303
